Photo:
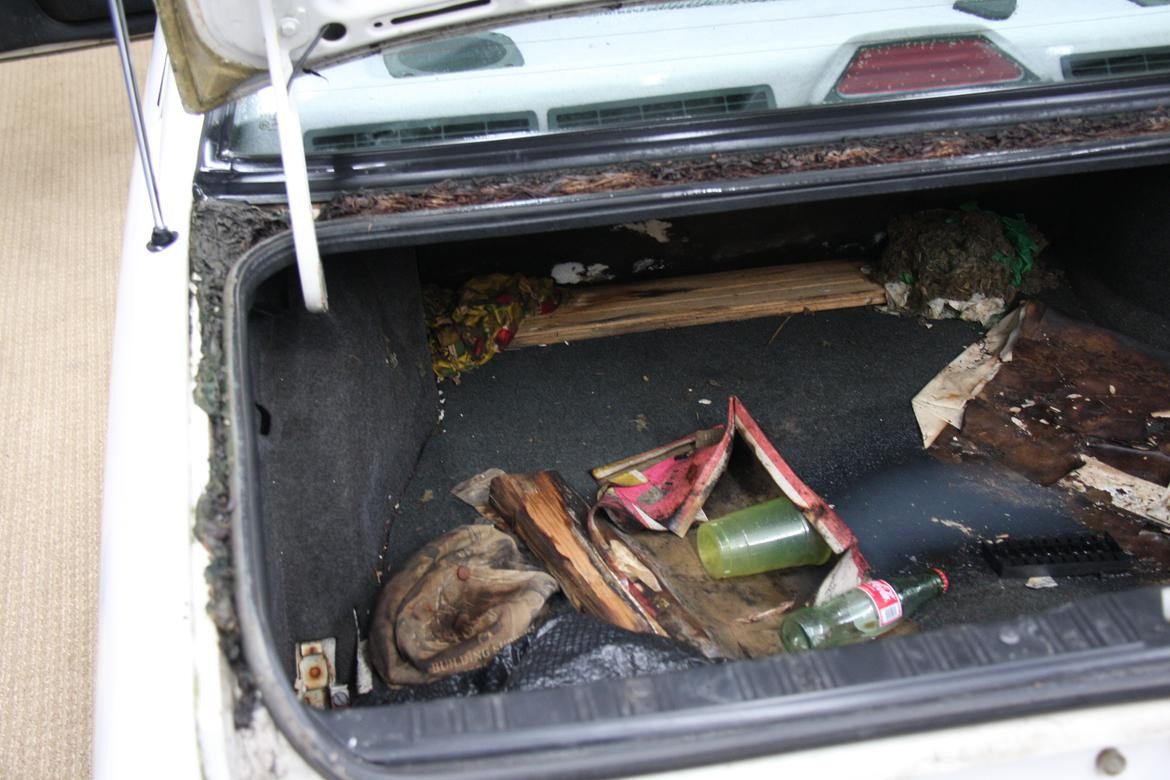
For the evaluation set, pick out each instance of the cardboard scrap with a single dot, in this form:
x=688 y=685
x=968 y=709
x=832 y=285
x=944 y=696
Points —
x=1125 y=491
x=942 y=401
x=666 y=489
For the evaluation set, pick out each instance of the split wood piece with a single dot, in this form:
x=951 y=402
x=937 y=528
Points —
x=610 y=310
x=642 y=579
x=548 y=516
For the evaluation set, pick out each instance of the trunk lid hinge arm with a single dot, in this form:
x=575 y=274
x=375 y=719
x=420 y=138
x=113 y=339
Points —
x=292 y=153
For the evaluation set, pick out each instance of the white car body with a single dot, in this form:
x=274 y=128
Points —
x=798 y=50
x=163 y=687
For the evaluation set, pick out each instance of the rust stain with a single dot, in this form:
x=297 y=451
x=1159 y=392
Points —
x=1073 y=390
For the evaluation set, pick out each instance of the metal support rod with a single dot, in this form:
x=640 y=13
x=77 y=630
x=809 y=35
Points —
x=161 y=237
x=292 y=154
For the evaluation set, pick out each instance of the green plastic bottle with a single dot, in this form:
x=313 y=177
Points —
x=763 y=537
x=869 y=610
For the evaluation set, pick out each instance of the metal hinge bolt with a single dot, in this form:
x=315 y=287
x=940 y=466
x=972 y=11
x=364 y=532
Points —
x=289 y=26
x=1111 y=762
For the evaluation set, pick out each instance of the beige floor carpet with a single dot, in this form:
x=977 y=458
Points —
x=65 y=154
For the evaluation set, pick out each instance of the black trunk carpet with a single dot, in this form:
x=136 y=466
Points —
x=832 y=390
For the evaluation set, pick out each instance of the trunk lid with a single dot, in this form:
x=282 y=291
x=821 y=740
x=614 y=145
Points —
x=218 y=51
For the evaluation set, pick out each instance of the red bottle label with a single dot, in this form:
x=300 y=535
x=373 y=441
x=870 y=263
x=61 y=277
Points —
x=885 y=600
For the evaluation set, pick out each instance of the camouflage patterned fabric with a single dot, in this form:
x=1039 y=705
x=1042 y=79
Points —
x=470 y=326
x=456 y=603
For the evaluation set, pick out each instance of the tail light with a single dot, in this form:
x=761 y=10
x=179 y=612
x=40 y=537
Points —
x=925 y=66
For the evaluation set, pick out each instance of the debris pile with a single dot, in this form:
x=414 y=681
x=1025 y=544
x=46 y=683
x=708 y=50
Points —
x=1062 y=402
x=964 y=264
x=468 y=327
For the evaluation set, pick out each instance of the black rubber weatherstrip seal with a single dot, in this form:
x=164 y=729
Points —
x=260 y=180
x=1105 y=650
x=578 y=211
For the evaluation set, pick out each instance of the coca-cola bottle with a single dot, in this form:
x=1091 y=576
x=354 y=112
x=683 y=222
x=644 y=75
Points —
x=869 y=610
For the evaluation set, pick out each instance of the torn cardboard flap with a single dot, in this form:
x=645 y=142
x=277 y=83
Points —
x=659 y=493
x=1125 y=491
x=1161 y=512
x=942 y=401
x=666 y=489
x=476 y=492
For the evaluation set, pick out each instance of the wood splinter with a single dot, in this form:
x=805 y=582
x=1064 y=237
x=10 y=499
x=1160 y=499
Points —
x=548 y=515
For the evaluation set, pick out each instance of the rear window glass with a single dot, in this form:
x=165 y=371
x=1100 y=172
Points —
x=694 y=59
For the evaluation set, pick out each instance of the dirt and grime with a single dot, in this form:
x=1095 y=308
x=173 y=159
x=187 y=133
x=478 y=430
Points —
x=220 y=234
x=1073 y=407
x=1071 y=392
x=730 y=167
x=963 y=263
x=248 y=226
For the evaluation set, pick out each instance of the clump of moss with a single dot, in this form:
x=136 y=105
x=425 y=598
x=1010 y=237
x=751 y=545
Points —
x=964 y=263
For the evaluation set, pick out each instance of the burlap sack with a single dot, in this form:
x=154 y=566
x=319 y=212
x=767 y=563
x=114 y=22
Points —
x=457 y=602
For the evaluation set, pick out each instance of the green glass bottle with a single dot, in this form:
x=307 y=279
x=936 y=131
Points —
x=869 y=610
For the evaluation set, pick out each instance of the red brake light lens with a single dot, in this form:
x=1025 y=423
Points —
x=926 y=65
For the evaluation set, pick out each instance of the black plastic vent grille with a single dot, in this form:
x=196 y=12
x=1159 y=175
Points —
x=1056 y=556
x=687 y=105
x=1116 y=63
x=389 y=135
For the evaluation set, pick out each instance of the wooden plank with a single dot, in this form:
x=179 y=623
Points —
x=610 y=310
x=549 y=516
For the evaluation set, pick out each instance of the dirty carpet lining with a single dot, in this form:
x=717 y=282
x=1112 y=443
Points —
x=831 y=389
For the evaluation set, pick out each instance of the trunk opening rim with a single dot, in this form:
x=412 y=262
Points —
x=260 y=180
x=1138 y=668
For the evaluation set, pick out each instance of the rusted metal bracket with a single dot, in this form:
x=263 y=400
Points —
x=316 y=682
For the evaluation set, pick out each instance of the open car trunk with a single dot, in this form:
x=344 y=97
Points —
x=347 y=450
